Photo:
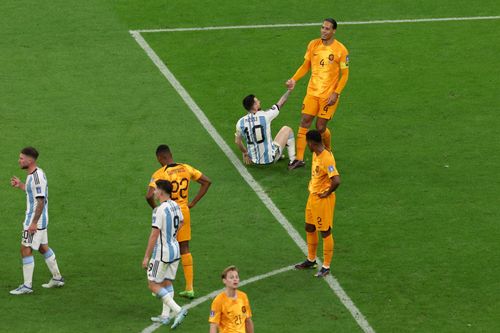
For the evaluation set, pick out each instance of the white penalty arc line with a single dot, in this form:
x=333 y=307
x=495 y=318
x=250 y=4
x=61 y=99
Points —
x=294 y=25
x=212 y=295
x=254 y=185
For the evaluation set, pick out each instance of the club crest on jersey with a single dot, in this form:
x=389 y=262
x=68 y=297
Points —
x=243 y=309
x=38 y=190
x=330 y=58
x=331 y=168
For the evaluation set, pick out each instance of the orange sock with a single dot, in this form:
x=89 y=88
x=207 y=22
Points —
x=327 y=250
x=187 y=265
x=327 y=139
x=301 y=143
x=312 y=245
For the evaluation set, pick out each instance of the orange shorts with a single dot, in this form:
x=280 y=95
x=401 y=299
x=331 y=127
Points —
x=184 y=233
x=318 y=107
x=319 y=212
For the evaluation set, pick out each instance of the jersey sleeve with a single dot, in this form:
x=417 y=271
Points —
x=157 y=218
x=273 y=112
x=247 y=306
x=238 y=128
x=195 y=174
x=40 y=184
x=154 y=178
x=330 y=167
x=215 y=312
x=307 y=56
x=344 y=59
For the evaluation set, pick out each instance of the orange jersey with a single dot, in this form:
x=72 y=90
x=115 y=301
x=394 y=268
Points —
x=322 y=169
x=326 y=63
x=179 y=175
x=230 y=314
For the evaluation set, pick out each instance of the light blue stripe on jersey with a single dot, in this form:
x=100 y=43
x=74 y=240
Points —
x=45 y=206
x=31 y=201
x=169 y=227
x=255 y=144
x=264 y=128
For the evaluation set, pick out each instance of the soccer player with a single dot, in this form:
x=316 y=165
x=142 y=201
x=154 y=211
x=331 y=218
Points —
x=325 y=179
x=180 y=175
x=230 y=311
x=34 y=236
x=255 y=127
x=162 y=253
x=328 y=60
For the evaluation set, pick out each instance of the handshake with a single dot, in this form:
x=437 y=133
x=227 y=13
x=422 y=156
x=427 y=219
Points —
x=290 y=84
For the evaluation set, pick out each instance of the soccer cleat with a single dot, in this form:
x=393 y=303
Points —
x=187 y=294
x=54 y=283
x=296 y=164
x=22 y=289
x=179 y=318
x=322 y=272
x=307 y=264
x=161 y=320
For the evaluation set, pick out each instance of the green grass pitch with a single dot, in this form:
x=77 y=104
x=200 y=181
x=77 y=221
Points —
x=415 y=137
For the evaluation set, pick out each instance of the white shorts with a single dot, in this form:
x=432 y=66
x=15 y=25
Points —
x=34 y=240
x=158 y=271
x=276 y=153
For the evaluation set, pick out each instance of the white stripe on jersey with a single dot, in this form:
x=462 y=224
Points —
x=256 y=130
x=167 y=217
x=36 y=187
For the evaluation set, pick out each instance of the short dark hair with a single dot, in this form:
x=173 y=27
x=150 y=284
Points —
x=314 y=136
x=163 y=149
x=332 y=21
x=227 y=270
x=30 y=151
x=164 y=185
x=248 y=102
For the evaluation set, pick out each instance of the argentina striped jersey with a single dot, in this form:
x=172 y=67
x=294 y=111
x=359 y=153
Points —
x=255 y=128
x=167 y=217
x=37 y=187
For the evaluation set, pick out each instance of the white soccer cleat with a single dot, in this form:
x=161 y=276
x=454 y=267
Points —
x=54 y=283
x=22 y=289
x=179 y=318
x=160 y=320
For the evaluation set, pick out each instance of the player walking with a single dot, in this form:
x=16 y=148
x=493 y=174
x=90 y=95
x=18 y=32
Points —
x=180 y=175
x=35 y=224
x=230 y=311
x=328 y=60
x=325 y=179
x=162 y=253
x=255 y=127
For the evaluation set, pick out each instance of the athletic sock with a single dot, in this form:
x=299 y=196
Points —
x=50 y=260
x=28 y=267
x=290 y=146
x=301 y=143
x=166 y=309
x=187 y=265
x=327 y=139
x=167 y=299
x=312 y=245
x=327 y=250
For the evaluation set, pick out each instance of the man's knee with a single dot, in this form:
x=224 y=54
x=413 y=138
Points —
x=310 y=227
x=326 y=233
x=184 y=247
x=306 y=121
x=321 y=124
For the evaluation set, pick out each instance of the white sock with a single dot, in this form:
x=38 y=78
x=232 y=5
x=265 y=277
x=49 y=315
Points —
x=166 y=311
x=169 y=301
x=50 y=260
x=28 y=267
x=290 y=145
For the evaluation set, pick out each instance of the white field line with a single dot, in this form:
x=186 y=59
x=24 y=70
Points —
x=293 y=25
x=212 y=295
x=332 y=281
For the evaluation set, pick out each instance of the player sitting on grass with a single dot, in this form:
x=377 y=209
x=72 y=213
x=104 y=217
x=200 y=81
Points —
x=162 y=253
x=255 y=127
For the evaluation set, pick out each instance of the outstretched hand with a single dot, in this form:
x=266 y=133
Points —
x=15 y=182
